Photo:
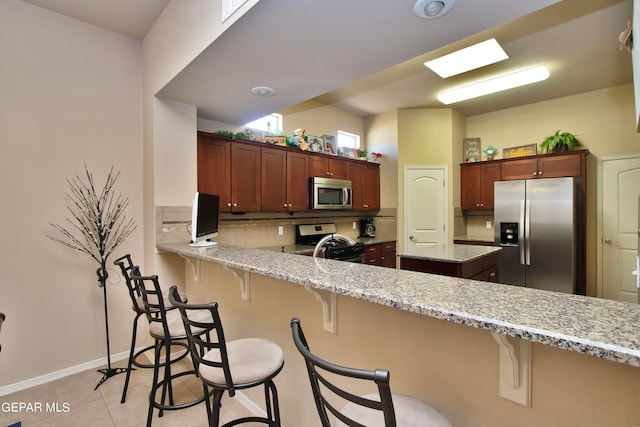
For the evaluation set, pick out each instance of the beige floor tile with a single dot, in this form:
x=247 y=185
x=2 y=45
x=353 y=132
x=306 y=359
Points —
x=92 y=414
x=102 y=407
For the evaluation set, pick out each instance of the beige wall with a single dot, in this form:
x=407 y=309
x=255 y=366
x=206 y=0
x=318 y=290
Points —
x=318 y=119
x=454 y=367
x=429 y=137
x=603 y=120
x=382 y=137
x=71 y=96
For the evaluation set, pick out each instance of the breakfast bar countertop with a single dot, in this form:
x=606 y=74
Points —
x=449 y=253
x=598 y=327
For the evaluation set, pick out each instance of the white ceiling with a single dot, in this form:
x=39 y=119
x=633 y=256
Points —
x=367 y=56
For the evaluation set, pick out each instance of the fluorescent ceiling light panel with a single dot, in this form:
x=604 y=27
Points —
x=497 y=84
x=467 y=59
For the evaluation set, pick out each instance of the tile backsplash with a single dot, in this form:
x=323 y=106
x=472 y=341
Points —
x=261 y=230
x=473 y=226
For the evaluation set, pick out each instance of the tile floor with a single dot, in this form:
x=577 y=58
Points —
x=79 y=405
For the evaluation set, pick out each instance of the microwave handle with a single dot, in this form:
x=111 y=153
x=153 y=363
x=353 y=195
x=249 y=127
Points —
x=345 y=196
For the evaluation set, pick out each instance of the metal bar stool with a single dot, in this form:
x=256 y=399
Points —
x=166 y=328
x=373 y=410
x=230 y=366
x=137 y=305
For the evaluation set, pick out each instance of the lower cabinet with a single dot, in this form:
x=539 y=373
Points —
x=381 y=254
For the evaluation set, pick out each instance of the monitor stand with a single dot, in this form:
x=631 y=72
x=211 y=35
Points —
x=203 y=244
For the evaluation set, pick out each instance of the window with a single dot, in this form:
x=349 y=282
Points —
x=270 y=123
x=348 y=140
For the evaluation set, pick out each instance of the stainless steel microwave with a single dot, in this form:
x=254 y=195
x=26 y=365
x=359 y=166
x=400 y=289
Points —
x=330 y=193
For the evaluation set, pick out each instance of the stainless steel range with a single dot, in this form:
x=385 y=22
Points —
x=329 y=244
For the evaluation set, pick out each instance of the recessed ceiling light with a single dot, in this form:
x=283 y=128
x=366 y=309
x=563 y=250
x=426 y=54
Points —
x=497 y=84
x=263 y=91
x=431 y=9
x=469 y=58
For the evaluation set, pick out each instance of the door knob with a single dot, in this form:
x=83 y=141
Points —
x=607 y=241
x=410 y=237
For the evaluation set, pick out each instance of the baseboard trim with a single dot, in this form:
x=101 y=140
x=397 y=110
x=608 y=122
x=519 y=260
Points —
x=52 y=376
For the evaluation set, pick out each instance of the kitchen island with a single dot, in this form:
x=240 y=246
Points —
x=466 y=261
x=430 y=331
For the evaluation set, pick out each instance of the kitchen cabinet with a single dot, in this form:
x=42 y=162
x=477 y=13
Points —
x=328 y=167
x=231 y=171
x=476 y=185
x=284 y=181
x=545 y=166
x=365 y=182
x=484 y=268
x=251 y=176
x=381 y=254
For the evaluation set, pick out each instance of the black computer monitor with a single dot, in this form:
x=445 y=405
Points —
x=204 y=220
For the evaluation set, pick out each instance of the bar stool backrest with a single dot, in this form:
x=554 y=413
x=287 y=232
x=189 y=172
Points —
x=204 y=333
x=325 y=377
x=154 y=306
x=126 y=266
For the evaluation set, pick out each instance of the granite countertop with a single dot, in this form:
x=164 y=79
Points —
x=601 y=328
x=449 y=253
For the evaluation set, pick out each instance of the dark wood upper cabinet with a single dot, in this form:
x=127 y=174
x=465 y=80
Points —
x=231 y=171
x=285 y=181
x=214 y=169
x=245 y=178
x=327 y=167
x=257 y=177
x=476 y=185
x=544 y=166
x=365 y=185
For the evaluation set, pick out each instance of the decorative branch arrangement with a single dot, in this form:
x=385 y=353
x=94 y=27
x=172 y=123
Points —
x=97 y=225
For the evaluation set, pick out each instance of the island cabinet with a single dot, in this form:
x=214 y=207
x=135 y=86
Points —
x=284 y=181
x=476 y=185
x=545 y=166
x=231 y=171
x=365 y=182
x=327 y=167
x=465 y=261
x=381 y=254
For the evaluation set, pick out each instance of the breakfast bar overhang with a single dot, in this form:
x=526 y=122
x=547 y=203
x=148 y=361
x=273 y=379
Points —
x=453 y=342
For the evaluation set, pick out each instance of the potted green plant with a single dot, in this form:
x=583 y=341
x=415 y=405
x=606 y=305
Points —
x=558 y=142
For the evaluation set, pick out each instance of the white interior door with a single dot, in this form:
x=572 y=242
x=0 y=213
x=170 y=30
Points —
x=619 y=240
x=425 y=206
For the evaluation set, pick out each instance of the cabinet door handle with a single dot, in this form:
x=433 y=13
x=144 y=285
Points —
x=229 y=204
x=289 y=205
x=285 y=205
x=535 y=173
x=365 y=206
x=235 y=205
x=539 y=173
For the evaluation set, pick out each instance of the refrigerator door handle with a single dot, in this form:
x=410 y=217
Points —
x=522 y=239
x=527 y=231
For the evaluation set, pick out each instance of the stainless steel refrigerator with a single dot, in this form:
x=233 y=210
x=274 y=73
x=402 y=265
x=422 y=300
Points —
x=535 y=225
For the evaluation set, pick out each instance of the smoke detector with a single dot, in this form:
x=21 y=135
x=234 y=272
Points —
x=431 y=9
